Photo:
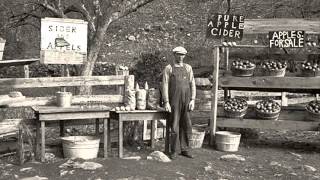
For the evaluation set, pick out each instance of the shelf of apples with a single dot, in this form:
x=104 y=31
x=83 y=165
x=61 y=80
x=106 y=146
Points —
x=235 y=107
x=242 y=68
x=310 y=69
x=313 y=109
x=267 y=109
x=274 y=68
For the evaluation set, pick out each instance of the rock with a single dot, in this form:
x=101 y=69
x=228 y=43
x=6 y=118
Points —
x=49 y=157
x=180 y=173
x=27 y=169
x=131 y=38
x=63 y=172
x=293 y=174
x=34 y=178
x=85 y=165
x=232 y=157
x=133 y=158
x=296 y=155
x=274 y=163
x=158 y=156
x=309 y=168
x=277 y=175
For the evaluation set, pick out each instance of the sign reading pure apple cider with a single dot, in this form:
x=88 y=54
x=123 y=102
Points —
x=63 y=41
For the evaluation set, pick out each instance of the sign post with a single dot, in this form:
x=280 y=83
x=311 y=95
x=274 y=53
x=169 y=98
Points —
x=63 y=41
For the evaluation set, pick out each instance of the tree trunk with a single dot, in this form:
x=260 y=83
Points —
x=93 y=53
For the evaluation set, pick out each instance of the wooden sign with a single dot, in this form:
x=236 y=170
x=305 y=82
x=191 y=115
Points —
x=63 y=41
x=225 y=26
x=286 y=39
x=2 y=43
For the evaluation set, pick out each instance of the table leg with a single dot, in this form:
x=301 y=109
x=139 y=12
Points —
x=167 y=139
x=109 y=136
x=105 y=137
x=37 y=146
x=97 y=126
x=120 y=138
x=153 y=132
x=43 y=141
x=61 y=123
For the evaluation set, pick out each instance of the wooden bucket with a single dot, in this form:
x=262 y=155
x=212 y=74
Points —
x=196 y=139
x=85 y=147
x=227 y=141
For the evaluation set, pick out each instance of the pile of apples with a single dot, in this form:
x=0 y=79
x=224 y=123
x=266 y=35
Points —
x=235 y=105
x=268 y=106
x=272 y=65
x=311 y=66
x=314 y=107
x=243 y=64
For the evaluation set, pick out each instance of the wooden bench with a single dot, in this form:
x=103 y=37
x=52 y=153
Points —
x=19 y=84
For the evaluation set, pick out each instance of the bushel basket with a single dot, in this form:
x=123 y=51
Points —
x=311 y=116
x=309 y=73
x=267 y=116
x=276 y=73
x=196 y=139
x=242 y=72
x=235 y=114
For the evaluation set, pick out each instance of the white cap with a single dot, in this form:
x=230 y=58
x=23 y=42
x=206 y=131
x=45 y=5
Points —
x=180 y=50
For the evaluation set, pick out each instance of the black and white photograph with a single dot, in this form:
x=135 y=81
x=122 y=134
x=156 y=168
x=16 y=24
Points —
x=160 y=89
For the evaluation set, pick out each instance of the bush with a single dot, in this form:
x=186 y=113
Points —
x=149 y=69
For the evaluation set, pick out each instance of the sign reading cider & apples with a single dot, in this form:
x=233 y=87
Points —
x=63 y=41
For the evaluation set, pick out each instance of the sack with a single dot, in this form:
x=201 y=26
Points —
x=141 y=96
x=153 y=101
x=130 y=99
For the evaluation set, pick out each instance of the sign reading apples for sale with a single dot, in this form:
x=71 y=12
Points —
x=286 y=39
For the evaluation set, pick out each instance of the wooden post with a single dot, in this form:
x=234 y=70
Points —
x=121 y=72
x=284 y=99
x=227 y=93
x=105 y=137
x=214 y=105
x=26 y=71
x=20 y=149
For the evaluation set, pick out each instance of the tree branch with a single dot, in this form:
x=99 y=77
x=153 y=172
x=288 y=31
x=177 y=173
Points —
x=45 y=4
x=128 y=7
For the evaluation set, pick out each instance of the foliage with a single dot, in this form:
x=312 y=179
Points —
x=149 y=69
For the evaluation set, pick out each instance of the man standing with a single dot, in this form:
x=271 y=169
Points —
x=179 y=92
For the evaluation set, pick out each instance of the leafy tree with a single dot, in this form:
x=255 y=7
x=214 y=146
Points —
x=98 y=13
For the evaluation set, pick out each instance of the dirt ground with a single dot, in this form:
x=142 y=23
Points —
x=267 y=155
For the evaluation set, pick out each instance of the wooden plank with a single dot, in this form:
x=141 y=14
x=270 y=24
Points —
x=142 y=116
x=17 y=62
x=9 y=125
x=120 y=150
x=278 y=84
x=73 y=115
x=9 y=83
x=77 y=99
x=267 y=124
x=258 y=26
x=106 y=135
x=71 y=109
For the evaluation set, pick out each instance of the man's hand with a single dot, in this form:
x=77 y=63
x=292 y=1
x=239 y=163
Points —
x=167 y=107
x=191 y=105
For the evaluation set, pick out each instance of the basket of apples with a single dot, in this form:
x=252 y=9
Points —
x=235 y=107
x=274 y=68
x=242 y=68
x=313 y=110
x=310 y=69
x=268 y=109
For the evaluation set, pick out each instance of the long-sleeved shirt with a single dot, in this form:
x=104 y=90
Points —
x=166 y=78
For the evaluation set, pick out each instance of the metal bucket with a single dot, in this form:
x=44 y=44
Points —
x=64 y=99
x=85 y=147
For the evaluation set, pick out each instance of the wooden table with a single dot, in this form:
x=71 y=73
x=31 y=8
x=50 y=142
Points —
x=53 y=113
x=137 y=115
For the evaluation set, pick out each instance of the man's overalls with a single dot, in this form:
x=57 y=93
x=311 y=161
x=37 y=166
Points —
x=179 y=98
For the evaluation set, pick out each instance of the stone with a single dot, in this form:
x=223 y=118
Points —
x=296 y=155
x=274 y=163
x=131 y=38
x=85 y=165
x=34 y=178
x=133 y=157
x=158 y=156
x=27 y=169
x=309 y=168
x=232 y=157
